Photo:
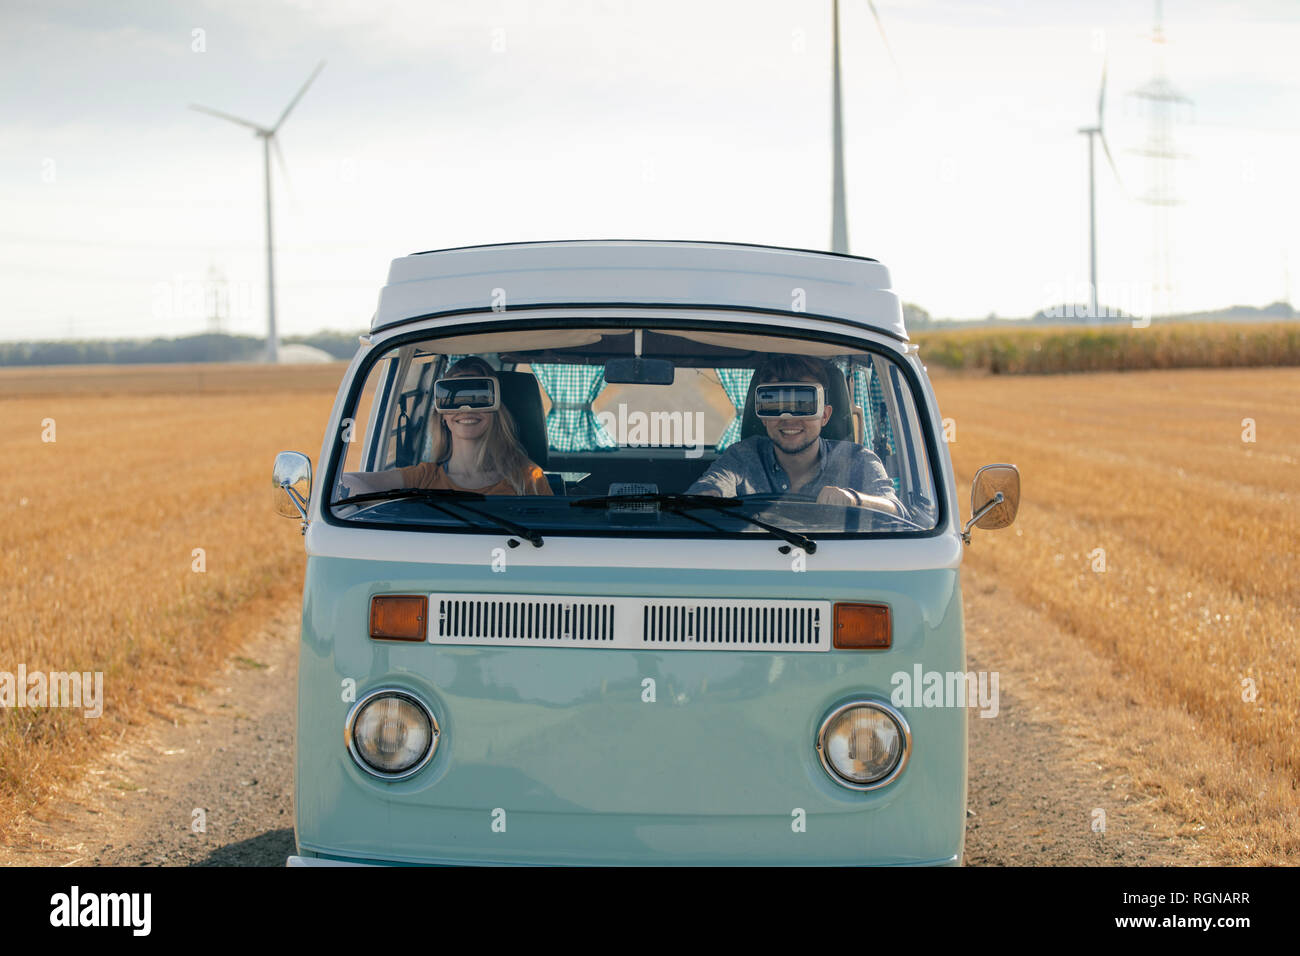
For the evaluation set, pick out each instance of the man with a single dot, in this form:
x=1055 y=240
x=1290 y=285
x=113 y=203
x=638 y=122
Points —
x=793 y=457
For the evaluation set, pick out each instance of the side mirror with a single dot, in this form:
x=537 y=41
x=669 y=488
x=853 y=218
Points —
x=291 y=484
x=994 y=498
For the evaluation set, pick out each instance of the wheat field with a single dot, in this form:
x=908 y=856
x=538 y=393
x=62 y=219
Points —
x=98 y=553
x=1018 y=348
x=1158 y=530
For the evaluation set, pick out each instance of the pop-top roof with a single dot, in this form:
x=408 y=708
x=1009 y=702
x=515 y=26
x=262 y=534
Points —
x=640 y=272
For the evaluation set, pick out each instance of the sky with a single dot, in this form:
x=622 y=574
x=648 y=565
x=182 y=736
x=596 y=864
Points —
x=453 y=123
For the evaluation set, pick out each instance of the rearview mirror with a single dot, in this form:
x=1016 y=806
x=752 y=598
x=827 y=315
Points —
x=639 y=371
x=994 y=498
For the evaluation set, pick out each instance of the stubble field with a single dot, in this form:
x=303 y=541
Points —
x=1159 y=528
x=1157 y=531
x=98 y=562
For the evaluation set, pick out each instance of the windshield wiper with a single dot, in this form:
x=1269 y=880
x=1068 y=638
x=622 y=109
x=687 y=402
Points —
x=786 y=496
x=682 y=503
x=435 y=498
x=412 y=493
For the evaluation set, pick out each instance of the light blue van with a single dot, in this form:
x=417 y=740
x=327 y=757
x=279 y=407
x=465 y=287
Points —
x=665 y=649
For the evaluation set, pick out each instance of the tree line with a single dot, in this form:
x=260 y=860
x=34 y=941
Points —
x=206 y=347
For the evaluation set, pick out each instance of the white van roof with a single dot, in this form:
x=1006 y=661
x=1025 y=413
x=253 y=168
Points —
x=640 y=272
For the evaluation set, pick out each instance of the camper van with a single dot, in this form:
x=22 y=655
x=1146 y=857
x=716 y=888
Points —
x=616 y=551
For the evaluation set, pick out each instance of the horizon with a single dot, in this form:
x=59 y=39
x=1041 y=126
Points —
x=585 y=119
x=1068 y=321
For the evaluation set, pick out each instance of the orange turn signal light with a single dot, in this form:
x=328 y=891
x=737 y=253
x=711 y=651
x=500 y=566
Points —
x=859 y=626
x=398 y=617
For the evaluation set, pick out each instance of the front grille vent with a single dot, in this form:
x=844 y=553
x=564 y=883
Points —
x=768 y=624
x=629 y=623
x=485 y=618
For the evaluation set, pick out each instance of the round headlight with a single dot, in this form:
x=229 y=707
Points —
x=864 y=744
x=391 y=734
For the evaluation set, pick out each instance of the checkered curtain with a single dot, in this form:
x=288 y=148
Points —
x=571 y=424
x=867 y=383
x=861 y=376
x=735 y=382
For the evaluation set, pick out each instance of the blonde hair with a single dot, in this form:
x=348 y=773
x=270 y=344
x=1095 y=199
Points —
x=500 y=450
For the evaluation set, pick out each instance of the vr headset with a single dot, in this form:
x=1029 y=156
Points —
x=789 y=400
x=480 y=393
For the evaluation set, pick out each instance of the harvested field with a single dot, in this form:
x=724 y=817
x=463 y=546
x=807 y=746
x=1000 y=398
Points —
x=98 y=553
x=1155 y=541
x=1159 y=529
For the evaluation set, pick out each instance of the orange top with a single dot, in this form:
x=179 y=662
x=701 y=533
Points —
x=430 y=475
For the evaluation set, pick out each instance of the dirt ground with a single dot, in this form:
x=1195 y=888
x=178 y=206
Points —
x=229 y=756
x=1041 y=792
x=1034 y=799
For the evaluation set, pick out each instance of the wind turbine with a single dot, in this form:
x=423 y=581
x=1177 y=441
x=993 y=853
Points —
x=839 y=213
x=267 y=136
x=1094 y=133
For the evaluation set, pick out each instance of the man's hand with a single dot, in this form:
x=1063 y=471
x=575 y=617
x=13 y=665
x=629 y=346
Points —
x=832 y=495
x=850 y=498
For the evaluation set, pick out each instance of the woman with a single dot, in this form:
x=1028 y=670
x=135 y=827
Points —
x=472 y=450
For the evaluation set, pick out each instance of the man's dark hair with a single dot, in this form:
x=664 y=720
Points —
x=469 y=365
x=794 y=368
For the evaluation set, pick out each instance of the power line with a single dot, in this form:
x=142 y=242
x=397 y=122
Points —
x=10 y=237
x=79 y=273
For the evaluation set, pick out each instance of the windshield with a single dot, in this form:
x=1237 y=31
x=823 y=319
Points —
x=654 y=430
